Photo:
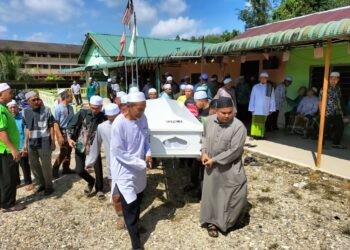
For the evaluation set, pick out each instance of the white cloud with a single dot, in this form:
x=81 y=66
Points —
x=3 y=29
x=145 y=13
x=20 y=10
x=185 y=27
x=38 y=37
x=173 y=7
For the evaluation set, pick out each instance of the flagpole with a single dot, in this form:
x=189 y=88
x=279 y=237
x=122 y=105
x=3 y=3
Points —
x=126 y=75
x=136 y=62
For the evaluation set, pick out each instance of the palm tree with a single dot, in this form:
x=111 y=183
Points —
x=10 y=66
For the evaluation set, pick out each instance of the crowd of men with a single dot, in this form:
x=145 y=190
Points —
x=28 y=137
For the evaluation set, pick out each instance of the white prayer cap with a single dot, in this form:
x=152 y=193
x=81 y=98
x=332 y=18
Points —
x=120 y=94
x=124 y=99
x=109 y=80
x=189 y=86
x=136 y=97
x=4 y=86
x=90 y=78
x=227 y=80
x=133 y=90
x=61 y=91
x=169 y=78
x=167 y=86
x=289 y=78
x=183 y=86
x=96 y=100
x=264 y=74
x=152 y=90
x=30 y=94
x=335 y=74
x=12 y=102
x=111 y=109
x=200 y=95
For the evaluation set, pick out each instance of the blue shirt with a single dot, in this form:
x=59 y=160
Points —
x=21 y=130
x=63 y=114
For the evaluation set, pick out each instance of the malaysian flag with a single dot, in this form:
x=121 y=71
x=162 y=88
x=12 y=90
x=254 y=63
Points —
x=122 y=45
x=128 y=13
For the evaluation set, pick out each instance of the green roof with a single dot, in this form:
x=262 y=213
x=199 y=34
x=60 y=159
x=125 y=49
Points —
x=146 y=47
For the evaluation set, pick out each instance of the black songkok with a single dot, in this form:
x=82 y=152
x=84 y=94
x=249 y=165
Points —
x=224 y=102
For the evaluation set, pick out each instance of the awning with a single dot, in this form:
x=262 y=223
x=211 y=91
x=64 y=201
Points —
x=77 y=69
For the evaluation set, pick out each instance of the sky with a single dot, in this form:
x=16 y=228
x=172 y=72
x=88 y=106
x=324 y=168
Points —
x=67 y=21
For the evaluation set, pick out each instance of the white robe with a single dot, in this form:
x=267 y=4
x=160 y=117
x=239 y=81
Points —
x=259 y=103
x=129 y=146
x=103 y=136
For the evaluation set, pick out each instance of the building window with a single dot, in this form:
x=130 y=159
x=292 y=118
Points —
x=64 y=55
x=43 y=66
x=55 y=66
x=42 y=54
x=31 y=54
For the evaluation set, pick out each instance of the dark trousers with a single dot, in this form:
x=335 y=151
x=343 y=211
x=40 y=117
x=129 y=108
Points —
x=64 y=156
x=336 y=121
x=8 y=179
x=78 y=99
x=80 y=169
x=131 y=213
x=274 y=120
x=197 y=172
x=24 y=163
x=242 y=112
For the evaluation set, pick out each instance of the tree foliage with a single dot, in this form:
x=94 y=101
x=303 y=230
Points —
x=256 y=12
x=53 y=77
x=294 y=8
x=10 y=66
x=214 y=38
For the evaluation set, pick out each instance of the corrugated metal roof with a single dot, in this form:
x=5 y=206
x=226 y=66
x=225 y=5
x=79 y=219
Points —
x=77 y=69
x=40 y=47
x=146 y=47
x=298 y=22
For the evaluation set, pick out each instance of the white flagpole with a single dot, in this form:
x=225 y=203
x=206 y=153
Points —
x=135 y=44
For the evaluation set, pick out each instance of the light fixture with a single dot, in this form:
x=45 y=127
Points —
x=196 y=62
x=212 y=60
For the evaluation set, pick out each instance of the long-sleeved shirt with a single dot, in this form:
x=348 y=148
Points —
x=308 y=105
x=129 y=146
x=75 y=89
x=260 y=103
x=103 y=136
x=280 y=96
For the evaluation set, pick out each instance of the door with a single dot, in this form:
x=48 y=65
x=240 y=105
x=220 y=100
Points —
x=250 y=69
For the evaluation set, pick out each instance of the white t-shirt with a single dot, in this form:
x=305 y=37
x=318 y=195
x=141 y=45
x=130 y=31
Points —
x=75 y=89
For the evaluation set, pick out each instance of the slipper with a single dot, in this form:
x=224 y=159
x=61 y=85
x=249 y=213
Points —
x=213 y=231
x=15 y=208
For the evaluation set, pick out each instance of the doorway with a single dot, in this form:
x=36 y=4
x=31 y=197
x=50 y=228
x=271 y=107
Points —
x=250 y=69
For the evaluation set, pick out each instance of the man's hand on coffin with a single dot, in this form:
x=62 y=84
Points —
x=149 y=161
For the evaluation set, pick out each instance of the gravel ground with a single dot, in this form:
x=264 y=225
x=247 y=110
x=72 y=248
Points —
x=290 y=208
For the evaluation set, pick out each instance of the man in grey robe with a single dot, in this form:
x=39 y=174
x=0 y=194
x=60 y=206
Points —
x=224 y=194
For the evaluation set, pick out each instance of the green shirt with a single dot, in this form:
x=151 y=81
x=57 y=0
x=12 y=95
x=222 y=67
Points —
x=8 y=124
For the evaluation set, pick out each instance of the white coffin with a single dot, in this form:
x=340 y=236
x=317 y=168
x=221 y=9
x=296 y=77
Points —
x=174 y=131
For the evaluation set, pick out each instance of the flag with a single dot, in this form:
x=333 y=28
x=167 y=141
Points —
x=122 y=45
x=129 y=10
x=133 y=41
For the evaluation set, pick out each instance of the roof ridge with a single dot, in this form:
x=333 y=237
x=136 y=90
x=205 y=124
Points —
x=298 y=17
x=145 y=37
x=24 y=41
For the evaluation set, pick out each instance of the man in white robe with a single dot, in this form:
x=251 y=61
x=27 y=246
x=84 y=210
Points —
x=130 y=155
x=261 y=104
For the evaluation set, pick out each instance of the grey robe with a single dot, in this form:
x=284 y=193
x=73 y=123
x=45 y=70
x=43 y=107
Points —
x=224 y=192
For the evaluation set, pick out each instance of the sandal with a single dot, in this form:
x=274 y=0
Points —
x=213 y=231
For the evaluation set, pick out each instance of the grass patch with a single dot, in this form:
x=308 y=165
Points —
x=265 y=199
x=266 y=189
x=295 y=193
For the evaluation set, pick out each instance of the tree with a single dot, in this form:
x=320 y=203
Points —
x=256 y=12
x=10 y=66
x=294 y=8
x=216 y=38
x=53 y=77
